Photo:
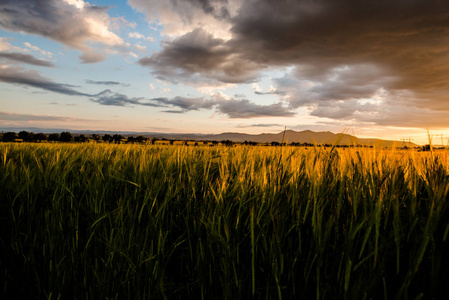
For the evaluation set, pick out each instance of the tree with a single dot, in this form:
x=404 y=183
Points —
x=227 y=143
x=65 y=136
x=54 y=137
x=40 y=137
x=26 y=136
x=426 y=148
x=9 y=136
x=117 y=138
x=141 y=139
x=80 y=138
x=107 y=137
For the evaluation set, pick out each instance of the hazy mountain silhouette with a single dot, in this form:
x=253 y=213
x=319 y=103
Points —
x=307 y=136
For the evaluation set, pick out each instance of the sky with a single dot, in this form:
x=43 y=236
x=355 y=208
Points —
x=370 y=68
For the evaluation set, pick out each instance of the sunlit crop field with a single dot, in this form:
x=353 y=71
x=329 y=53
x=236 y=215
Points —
x=98 y=221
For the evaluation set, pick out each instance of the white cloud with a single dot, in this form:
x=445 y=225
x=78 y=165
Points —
x=256 y=87
x=181 y=17
x=35 y=48
x=6 y=46
x=74 y=23
x=119 y=22
x=77 y=3
x=140 y=47
x=137 y=35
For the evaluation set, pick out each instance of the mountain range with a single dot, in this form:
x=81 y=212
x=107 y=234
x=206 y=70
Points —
x=306 y=136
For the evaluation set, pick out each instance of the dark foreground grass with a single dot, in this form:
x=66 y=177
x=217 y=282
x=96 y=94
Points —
x=155 y=222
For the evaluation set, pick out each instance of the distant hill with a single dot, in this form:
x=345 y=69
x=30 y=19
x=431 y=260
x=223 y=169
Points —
x=306 y=136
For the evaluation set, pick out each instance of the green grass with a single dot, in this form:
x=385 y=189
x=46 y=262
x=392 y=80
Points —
x=168 y=222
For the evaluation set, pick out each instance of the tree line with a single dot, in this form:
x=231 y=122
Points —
x=65 y=136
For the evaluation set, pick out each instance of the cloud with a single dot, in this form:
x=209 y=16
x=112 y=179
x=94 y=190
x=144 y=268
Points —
x=34 y=79
x=274 y=92
x=105 y=82
x=35 y=48
x=180 y=17
x=25 y=58
x=140 y=47
x=137 y=35
x=12 y=53
x=198 y=57
x=91 y=57
x=6 y=46
x=304 y=86
x=120 y=22
x=243 y=108
x=76 y=24
x=261 y=125
x=173 y=111
x=233 y=108
x=403 y=39
x=5 y=116
x=346 y=51
x=107 y=97
x=185 y=103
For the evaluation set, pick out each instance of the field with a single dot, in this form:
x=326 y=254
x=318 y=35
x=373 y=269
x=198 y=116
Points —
x=98 y=221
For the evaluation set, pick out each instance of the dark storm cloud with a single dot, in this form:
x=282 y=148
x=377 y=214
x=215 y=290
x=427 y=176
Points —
x=199 y=52
x=25 y=58
x=285 y=31
x=216 y=8
x=342 y=50
x=34 y=79
x=406 y=40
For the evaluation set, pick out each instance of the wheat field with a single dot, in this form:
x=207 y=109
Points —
x=98 y=221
